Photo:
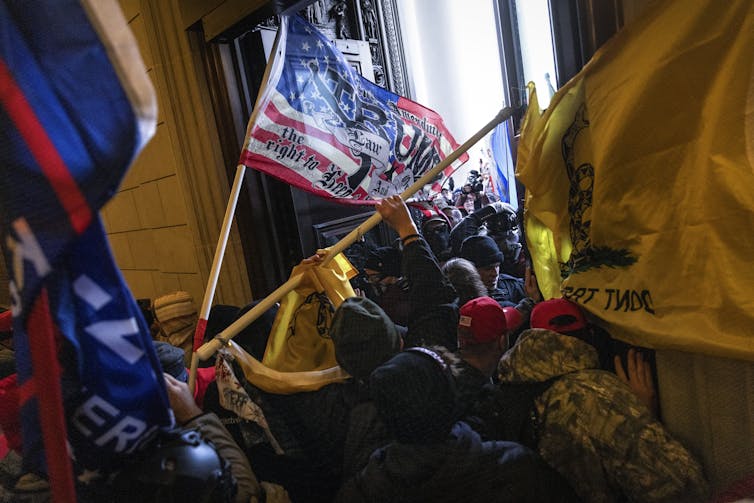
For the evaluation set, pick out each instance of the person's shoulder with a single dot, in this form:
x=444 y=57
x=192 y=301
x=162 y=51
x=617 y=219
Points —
x=508 y=277
x=611 y=407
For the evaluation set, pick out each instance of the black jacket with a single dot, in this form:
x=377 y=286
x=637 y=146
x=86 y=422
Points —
x=461 y=469
x=434 y=306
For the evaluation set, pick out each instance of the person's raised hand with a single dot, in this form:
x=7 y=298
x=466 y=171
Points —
x=181 y=400
x=315 y=259
x=395 y=212
x=531 y=287
x=638 y=378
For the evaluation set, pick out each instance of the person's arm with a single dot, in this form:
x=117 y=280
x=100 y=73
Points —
x=433 y=319
x=468 y=226
x=471 y=224
x=525 y=305
x=189 y=415
x=531 y=287
x=427 y=282
x=639 y=454
x=394 y=212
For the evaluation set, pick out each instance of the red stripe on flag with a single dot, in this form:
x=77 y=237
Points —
x=418 y=110
x=41 y=147
x=281 y=119
x=201 y=328
x=46 y=368
x=265 y=136
x=431 y=116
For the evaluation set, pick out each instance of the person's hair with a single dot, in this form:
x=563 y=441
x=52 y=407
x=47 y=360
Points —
x=464 y=277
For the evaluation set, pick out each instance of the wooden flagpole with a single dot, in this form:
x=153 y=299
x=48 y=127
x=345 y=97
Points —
x=209 y=292
x=209 y=348
x=375 y=219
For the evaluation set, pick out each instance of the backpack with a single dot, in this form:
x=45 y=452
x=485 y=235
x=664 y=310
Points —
x=505 y=411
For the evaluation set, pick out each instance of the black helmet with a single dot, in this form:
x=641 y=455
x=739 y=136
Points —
x=178 y=466
x=503 y=221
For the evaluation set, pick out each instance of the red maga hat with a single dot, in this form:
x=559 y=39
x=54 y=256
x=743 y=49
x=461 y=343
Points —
x=485 y=321
x=558 y=315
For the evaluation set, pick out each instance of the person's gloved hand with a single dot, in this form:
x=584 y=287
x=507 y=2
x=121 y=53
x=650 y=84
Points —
x=501 y=207
x=493 y=209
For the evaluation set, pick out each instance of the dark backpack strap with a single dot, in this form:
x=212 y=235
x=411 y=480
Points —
x=506 y=412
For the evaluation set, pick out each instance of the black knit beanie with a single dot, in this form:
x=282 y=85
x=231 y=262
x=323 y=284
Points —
x=385 y=259
x=415 y=396
x=482 y=251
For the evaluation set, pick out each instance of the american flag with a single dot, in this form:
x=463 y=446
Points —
x=323 y=128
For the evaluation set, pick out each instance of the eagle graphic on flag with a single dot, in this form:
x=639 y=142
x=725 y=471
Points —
x=322 y=127
x=76 y=107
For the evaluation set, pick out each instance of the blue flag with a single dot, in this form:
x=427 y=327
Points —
x=503 y=171
x=76 y=106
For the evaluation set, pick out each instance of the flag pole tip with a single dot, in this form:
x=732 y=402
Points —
x=504 y=114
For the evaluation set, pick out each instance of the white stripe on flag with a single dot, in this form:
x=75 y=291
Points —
x=336 y=156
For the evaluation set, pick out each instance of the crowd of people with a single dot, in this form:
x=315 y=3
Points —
x=465 y=385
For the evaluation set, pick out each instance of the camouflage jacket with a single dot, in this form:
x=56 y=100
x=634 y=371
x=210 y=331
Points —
x=594 y=430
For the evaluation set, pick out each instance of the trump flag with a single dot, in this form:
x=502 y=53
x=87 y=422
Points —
x=320 y=126
x=76 y=107
x=640 y=181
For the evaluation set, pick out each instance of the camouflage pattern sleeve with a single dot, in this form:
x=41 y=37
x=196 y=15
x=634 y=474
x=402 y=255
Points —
x=654 y=466
x=597 y=434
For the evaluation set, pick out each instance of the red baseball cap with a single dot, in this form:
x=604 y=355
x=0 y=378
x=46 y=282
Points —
x=558 y=315
x=513 y=318
x=484 y=320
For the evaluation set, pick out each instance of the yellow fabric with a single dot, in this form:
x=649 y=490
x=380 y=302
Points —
x=640 y=184
x=300 y=338
x=545 y=255
x=283 y=383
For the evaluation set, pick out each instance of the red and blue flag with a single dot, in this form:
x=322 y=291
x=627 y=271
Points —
x=76 y=107
x=322 y=127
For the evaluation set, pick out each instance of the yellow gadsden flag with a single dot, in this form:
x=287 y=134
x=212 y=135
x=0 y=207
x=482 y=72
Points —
x=300 y=336
x=640 y=189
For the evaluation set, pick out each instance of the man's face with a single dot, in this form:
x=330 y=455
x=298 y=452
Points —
x=489 y=275
x=377 y=280
x=437 y=235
